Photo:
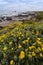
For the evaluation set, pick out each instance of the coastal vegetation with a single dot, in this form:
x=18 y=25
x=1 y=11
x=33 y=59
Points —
x=22 y=43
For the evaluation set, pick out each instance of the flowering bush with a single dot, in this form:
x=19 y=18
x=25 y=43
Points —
x=23 y=45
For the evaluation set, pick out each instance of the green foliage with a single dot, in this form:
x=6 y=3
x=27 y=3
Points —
x=28 y=21
x=40 y=15
x=22 y=44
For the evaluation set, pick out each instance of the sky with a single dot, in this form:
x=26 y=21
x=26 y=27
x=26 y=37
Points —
x=7 y=6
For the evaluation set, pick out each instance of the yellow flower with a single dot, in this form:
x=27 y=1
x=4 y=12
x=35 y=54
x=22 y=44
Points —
x=39 y=39
x=28 y=38
x=32 y=31
x=30 y=48
x=24 y=42
x=19 y=46
x=5 y=48
x=16 y=28
x=37 y=51
x=11 y=62
x=34 y=43
x=11 y=43
x=42 y=48
x=3 y=35
x=33 y=53
x=26 y=49
x=19 y=37
x=29 y=55
x=39 y=48
x=12 y=34
x=33 y=47
x=20 y=33
x=41 y=55
x=27 y=33
x=37 y=33
x=12 y=48
x=2 y=40
x=22 y=55
x=39 y=42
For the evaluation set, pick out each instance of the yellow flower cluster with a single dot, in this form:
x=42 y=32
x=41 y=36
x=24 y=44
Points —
x=22 y=55
x=20 y=44
x=11 y=62
x=5 y=48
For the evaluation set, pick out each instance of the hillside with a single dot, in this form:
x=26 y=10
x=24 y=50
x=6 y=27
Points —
x=21 y=42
